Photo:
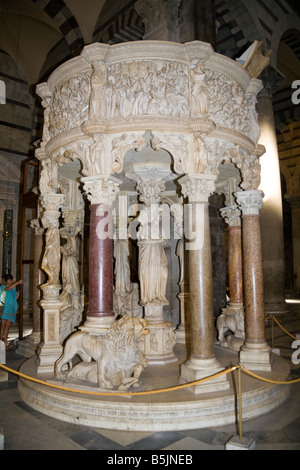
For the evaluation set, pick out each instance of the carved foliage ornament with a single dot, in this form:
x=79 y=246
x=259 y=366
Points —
x=101 y=190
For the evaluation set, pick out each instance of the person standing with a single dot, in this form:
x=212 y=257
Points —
x=8 y=290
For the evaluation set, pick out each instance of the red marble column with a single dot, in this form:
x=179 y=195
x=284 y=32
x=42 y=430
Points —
x=233 y=314
x=232 y=217
x=202 y=361
x=235 y=265
x=255 y=354
x=101 y=191
x=100 y=262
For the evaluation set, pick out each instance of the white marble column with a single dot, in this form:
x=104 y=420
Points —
x=202 y=363
x=255 y=354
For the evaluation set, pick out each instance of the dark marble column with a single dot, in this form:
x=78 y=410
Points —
x=255 y=354
x=294 y=202
x=202 y=361
x=101 y=192
x=7 y=242
x=28 y=347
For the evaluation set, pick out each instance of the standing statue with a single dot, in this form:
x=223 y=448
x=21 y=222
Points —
x=153 y=263
x=122 y=268
x=98 y=81
x=51 y=258
x=70 y=268
x=199 y=98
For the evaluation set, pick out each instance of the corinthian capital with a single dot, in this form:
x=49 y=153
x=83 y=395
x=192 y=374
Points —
x=231 y=215
x=250 y=202
x=197 y=187
x=101 y=190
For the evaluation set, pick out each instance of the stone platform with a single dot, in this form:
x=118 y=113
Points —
x=164 y=411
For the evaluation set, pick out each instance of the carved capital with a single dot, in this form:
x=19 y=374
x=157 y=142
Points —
x=197 y=188
x=150 y=191
x=71 y=217
x=250 y=202
x=231 y=215
x=271 y=79
x=101 y=190
x=52 y=204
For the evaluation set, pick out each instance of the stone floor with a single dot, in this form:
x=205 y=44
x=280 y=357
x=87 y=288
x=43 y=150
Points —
x=26 y=429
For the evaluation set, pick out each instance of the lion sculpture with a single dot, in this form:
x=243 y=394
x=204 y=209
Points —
x=113 y=359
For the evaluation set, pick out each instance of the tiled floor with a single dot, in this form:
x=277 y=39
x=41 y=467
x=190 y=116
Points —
x=27 y=429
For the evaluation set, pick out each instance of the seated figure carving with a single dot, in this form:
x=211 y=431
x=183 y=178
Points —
x=113 y=359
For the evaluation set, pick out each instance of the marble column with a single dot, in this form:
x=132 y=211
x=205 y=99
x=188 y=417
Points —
x=233 y=314
x=294 y=202
x=7 y=242
x=271 y=215
x=101 y=191
x=255 y=354
x=202 y=362
x=183 y=331
x=29 y=346
x=51 y=348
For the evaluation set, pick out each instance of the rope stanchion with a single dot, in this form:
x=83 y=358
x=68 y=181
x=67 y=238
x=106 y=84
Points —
x=240 y=404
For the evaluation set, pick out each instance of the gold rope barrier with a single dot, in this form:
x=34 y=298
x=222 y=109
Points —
x=111 y=394
x=283 y=329
x=264 y=379
x=149 y=392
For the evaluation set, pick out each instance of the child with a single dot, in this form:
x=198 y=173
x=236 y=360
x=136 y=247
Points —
x=10 y=305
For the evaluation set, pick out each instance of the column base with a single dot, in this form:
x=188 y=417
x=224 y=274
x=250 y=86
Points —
x=47 y=358
x=256 y=356
x=196 y=369
x=28 y=347
x=159 y=344
x=276 y=308
x=235 y=443
x=97 y=325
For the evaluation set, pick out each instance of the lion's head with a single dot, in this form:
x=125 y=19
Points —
x=130 y=326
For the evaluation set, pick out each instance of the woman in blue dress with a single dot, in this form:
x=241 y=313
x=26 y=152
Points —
x=9 y=297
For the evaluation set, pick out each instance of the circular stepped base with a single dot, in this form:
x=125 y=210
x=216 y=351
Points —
x=172 y=410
